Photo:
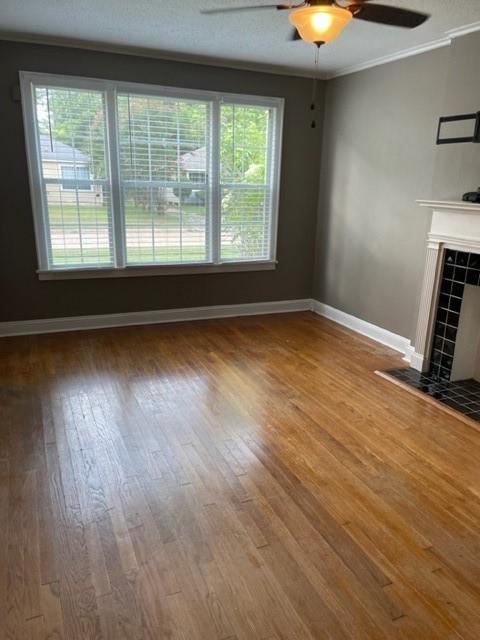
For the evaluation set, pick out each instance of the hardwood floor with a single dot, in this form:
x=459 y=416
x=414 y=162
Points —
x=240 y=479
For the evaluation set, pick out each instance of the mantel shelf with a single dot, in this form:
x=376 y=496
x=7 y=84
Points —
x=473 y=207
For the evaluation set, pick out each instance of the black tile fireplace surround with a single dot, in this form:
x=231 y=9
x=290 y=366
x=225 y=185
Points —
x=459 y=268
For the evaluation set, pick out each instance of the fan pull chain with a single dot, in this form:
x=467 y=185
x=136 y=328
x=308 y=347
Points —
x=314 y=85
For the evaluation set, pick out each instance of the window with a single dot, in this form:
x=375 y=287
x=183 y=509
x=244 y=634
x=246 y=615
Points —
x=126 y=177
x=158 y=140
x=75 y=177
x=74 y=220
x=244 y=182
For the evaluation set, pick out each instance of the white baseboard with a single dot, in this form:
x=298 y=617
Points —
x=410 y=354
x=79 y=323
x=417 y=361
x=392 y=340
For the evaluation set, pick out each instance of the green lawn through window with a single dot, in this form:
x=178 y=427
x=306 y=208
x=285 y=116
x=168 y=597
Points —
x=65 y=219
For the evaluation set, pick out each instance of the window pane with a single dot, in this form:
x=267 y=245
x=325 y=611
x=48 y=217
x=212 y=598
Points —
x=245 y=158
x=245 y=223
x=71 y=140
x=164 y=172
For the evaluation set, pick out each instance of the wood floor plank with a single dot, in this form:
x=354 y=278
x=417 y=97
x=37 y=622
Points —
x=52 y=611
x=14 y=621
x=4 y=536
x=238 y=479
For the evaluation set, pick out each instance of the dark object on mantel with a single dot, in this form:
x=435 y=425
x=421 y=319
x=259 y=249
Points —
x=462 y=128
x=472 y=196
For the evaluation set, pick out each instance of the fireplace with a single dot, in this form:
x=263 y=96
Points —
x=456 y=331
x=445 y=363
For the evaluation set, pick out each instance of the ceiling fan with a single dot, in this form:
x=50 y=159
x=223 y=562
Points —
x=321 y=21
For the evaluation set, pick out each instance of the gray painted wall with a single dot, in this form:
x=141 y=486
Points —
x=457 y=167
x=25 y=297
x=379 y=156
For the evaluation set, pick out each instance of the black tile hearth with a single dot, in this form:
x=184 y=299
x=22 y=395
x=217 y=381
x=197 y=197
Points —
x=459 y=269
x=464 y=395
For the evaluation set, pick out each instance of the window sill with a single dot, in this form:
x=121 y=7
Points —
x=155 y=270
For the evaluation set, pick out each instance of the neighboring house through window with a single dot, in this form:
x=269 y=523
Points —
x=75 y=177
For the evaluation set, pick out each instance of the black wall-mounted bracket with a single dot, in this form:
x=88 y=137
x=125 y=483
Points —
x=443 y=136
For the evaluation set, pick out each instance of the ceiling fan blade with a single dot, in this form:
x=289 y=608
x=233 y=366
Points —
x=252 y=7
x=384 y=14
x=295 y=35
x=348 y=4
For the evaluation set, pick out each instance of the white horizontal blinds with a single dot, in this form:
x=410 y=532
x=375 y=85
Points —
x=164 y=175
x=127 y=174
x=246 y=147
x=71 y=143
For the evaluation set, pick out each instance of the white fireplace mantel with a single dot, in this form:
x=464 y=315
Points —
x=455 y=225
x=451 y=205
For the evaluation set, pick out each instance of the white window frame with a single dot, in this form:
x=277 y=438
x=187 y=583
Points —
x=214 y=264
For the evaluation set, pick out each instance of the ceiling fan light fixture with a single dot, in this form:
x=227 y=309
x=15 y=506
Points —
x=320 y=23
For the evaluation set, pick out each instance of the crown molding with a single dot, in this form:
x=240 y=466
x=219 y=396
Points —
x=450 y=35
x=145 y=52
x=463 y=31
x=157 y=54
x=399 y=55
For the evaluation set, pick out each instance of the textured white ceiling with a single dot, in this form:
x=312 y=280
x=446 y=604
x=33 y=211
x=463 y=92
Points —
x=177 y=29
